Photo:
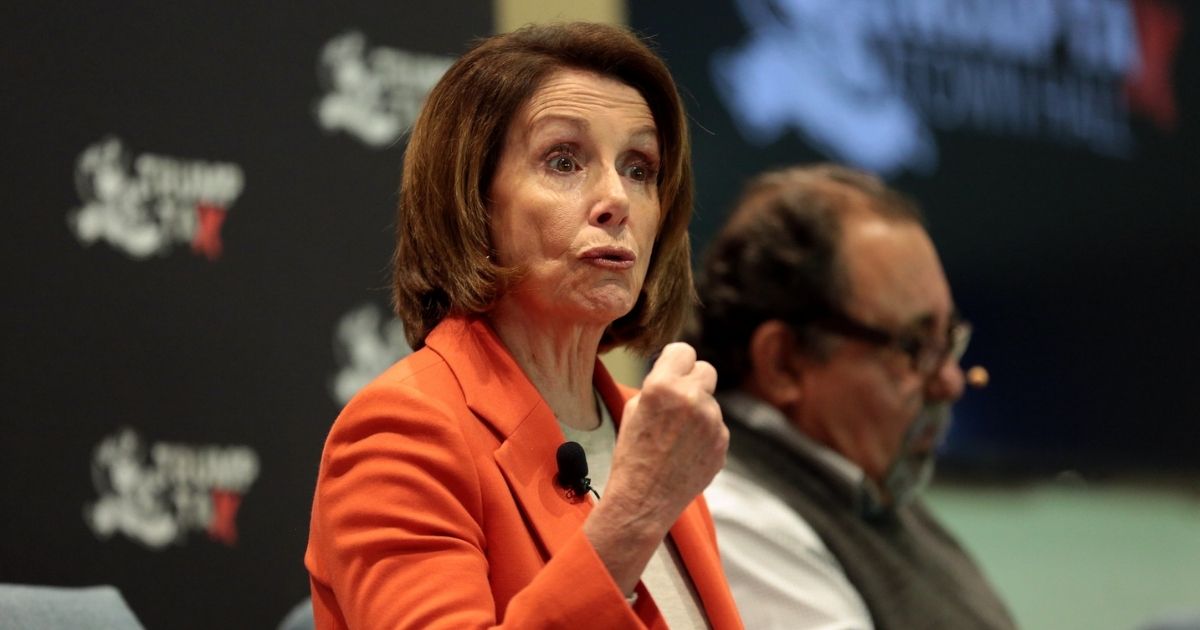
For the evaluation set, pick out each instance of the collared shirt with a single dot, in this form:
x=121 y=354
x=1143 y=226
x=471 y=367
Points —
x=766 y=419
x=781 y=573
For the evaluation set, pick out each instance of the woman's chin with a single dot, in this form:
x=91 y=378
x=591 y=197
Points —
x=595 y=305
x=603 y=307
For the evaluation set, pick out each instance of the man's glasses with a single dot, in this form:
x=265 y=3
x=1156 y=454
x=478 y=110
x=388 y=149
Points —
x=925 y=355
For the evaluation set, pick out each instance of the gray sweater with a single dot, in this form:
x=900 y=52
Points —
x=911 y=572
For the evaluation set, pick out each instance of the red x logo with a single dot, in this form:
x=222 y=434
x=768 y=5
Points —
x=1151 y=87
x=208 y=230
x=223 y=527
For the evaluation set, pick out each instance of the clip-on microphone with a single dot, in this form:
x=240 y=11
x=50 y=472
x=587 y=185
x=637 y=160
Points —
x=573 y=470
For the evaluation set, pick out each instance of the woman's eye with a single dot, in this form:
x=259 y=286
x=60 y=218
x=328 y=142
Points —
x=563 y=164
x=640 y=171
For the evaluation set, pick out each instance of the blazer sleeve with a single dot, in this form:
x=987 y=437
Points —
x=396 y=531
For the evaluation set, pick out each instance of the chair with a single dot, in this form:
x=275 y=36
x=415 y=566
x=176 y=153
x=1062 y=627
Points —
x=27 y=607
x=300 y=617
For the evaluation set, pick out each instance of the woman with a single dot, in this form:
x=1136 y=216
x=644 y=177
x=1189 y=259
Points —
x=542 y=218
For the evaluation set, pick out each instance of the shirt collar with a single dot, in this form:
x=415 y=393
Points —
x=758 y=415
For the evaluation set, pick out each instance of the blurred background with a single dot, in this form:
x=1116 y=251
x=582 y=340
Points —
x=200 y=209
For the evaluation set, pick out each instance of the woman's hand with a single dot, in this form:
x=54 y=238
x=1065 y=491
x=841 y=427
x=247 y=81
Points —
x=672 y=439
x=671 y=443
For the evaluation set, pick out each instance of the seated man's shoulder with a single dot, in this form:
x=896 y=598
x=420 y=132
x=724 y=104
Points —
x=738 y=502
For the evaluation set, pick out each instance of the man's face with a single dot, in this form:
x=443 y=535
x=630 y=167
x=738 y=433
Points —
x=863 y=397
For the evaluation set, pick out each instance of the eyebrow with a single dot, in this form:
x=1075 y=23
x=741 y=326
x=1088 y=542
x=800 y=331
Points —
x=649 y=132
x=582 y=124
x=926 y=321
x=923 y=321
x=578 y=122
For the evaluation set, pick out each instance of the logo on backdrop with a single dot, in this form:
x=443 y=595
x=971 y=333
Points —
x=366 y=343
x=868 y=82
x=148 y=204
x=374 y=95
x=156 y=494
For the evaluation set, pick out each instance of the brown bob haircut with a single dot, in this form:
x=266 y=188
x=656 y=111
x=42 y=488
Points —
x=442 y=263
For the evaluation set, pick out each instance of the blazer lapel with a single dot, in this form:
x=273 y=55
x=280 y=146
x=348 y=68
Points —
x=528 y=460
x=498 y=392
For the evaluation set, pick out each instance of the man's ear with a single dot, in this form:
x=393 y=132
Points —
x=774 y=370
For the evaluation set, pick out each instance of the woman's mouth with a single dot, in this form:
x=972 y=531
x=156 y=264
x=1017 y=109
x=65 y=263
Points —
x=609 y=257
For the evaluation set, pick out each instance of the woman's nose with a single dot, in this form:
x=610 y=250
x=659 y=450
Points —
x=610 y=206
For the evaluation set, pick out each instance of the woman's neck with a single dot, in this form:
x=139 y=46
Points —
x=558 y=357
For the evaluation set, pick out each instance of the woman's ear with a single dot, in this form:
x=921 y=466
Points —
x=774 y=369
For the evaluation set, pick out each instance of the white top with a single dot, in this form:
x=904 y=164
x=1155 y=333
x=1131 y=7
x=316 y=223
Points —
x=782 y=575
x=665 y=577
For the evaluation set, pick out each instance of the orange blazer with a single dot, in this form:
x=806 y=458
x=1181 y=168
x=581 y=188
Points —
x=436 y=505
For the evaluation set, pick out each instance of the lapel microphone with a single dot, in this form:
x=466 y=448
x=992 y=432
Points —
x=573 y=470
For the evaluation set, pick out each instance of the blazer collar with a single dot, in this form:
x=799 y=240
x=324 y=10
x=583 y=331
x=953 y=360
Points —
x=495 y=387
x=497 y=391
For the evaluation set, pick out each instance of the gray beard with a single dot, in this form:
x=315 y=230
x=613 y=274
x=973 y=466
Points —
x=911 y=471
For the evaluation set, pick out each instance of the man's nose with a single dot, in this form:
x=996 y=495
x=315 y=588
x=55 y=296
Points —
x=947 y=383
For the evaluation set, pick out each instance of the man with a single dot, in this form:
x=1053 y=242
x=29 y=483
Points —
x=829 y=319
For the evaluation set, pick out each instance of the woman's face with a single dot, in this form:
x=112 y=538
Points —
x=574 y=201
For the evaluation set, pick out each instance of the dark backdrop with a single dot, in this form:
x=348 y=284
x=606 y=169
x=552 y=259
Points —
x=166 y=399
x=1056 y=157
x=219 y=366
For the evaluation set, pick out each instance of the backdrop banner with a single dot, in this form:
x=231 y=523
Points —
x=199 y=203
x=1053 y=146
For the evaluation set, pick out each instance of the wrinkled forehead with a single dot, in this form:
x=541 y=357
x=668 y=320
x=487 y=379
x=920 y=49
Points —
x=576 y=97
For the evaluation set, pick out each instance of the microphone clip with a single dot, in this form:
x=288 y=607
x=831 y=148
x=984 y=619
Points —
x=579 y=488
x=573 y=471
